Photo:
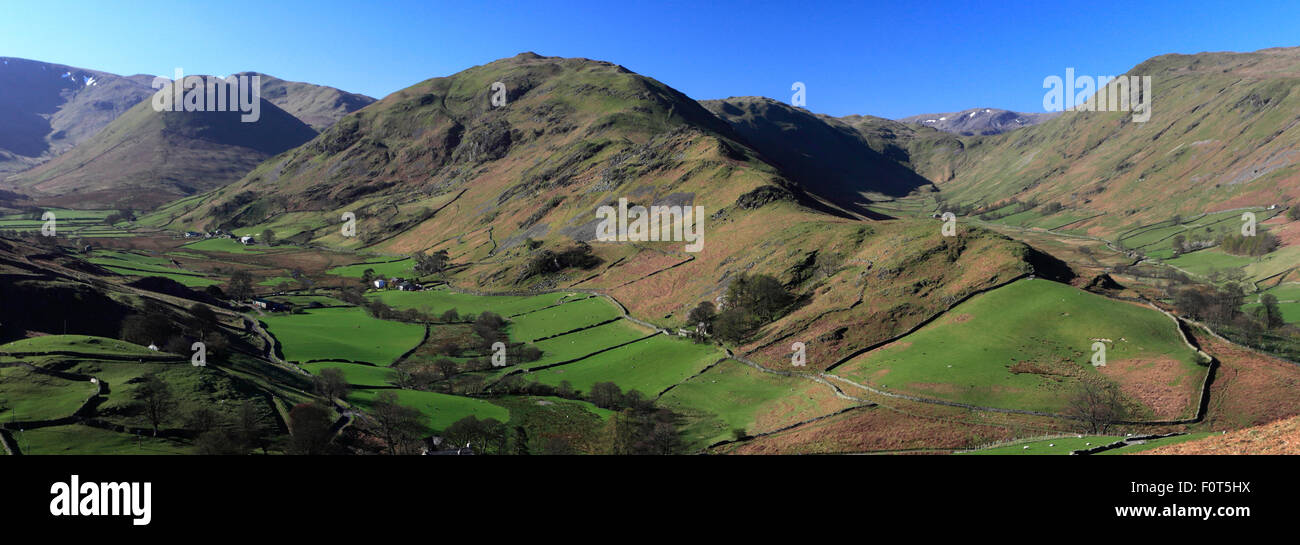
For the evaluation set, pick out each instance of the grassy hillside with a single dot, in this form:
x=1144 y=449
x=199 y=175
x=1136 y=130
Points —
x=1221 y=136
x=146 y=158
x=316 y=105
x=1029 y=344
x=48 y=108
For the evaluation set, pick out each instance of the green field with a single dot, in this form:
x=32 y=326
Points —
x=1290 y=311
x=1202 y=262
x=441 y=409
x=1288 y=296
x=730 y=396
x=1060 y=445
x=566 y=317
x=355 y=373
x=1066 y=445
x=342 y=334
x=1157 y=443
x=441 y=300
x=576 y=345
x=649 y=366
x=307 y=300
x=77 y=343
x=384 y=269
x=189 y=280
x=227 y=245
x=1287 y=291
x=1160 y=236
x=137 y=264
x=79 y=439
x=28 y=395
x=79 y=223
x=1022 y=346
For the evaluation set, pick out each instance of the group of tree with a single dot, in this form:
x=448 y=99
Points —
x=608 y=395
x=645 y=431
x=484 y=436
x=1214 y=304
x=547 y=261
x=431 y=263
x=238 y=434
x=214 y=432
x=119 y=216
x=175 y=332
x=401 y=428
x=240 y=286
x=751 y=301
x=310 y=430
x=1257 y=245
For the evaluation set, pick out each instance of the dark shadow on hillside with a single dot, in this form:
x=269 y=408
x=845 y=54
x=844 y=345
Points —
x=825 y=156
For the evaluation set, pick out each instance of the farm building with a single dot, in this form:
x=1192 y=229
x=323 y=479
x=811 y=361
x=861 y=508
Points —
x=247 y=240
x=380 y=283
x=272 y=306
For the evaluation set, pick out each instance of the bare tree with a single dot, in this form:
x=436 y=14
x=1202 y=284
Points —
x=156 y=400
x=1098 y=405
x=331 y=383
x=309 y=428
x=399 y=426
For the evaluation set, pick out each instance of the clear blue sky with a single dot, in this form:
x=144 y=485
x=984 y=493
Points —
x=892 y=59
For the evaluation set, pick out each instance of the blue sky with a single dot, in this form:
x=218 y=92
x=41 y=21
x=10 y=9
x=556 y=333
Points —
x=890 y=59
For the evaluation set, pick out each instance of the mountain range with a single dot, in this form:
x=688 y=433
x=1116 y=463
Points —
x=91 y=139
x=980 y=121
x=499 y=173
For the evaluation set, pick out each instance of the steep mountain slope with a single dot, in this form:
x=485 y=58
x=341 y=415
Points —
x=979 y=121
x=825 y=155
x=46 y=109
x=924 y=150
x=505 y=190
x=146 y=158
x=315 y=105
x=1224 y=133
x=1280 y=437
